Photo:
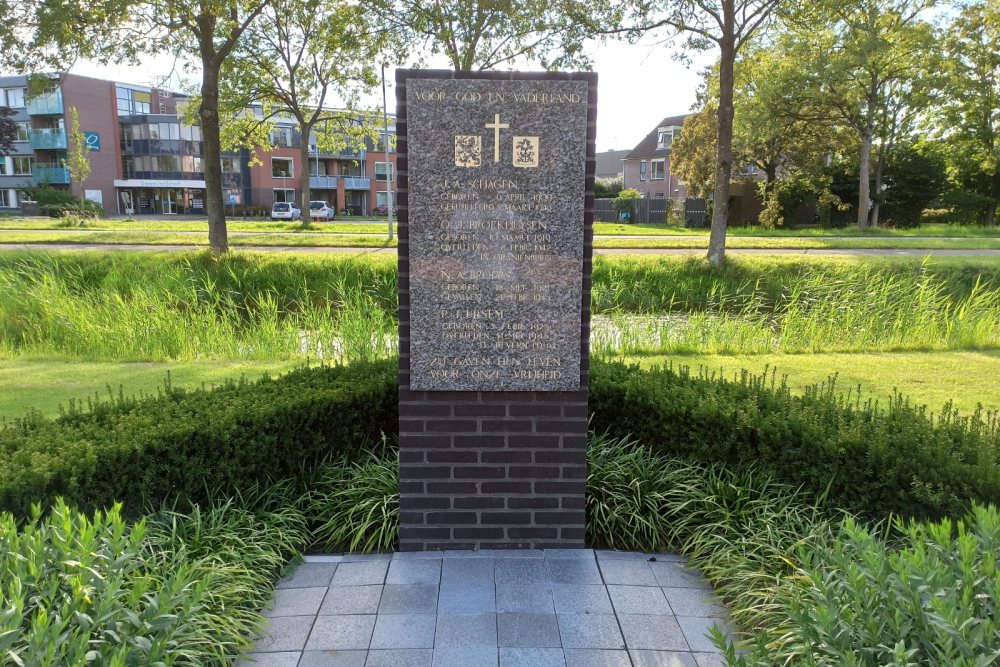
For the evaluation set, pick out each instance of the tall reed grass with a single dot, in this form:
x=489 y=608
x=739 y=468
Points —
x=119 y=306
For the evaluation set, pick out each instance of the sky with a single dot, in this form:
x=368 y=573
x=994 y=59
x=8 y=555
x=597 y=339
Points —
x=638 y=85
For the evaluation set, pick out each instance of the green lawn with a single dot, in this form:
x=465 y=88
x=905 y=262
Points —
x=45 y=384
x=345 y=240
x=378 y=227
x=930 y=378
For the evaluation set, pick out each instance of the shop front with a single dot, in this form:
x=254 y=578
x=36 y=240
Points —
x=156 y=197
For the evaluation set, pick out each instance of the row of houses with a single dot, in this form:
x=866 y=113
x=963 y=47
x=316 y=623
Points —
x=146 y=160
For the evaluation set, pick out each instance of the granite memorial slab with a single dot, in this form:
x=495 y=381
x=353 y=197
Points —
x=495 y=248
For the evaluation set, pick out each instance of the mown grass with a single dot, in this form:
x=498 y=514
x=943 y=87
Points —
x=47 y=384
x=965 y=379
x=378 y=226
x=379 y=238
x=201 y=225
x=930 y=378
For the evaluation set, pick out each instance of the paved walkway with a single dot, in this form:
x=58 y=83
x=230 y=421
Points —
x=571 y=608
x=880 y=252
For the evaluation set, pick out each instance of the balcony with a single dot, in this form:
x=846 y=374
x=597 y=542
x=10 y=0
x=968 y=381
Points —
x=48 y=139
x=46 y=105
x=323 y=182
x=49 y=174
x=355 y=183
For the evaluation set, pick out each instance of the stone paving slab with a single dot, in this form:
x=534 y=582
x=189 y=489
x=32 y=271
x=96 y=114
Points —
x=518 y=608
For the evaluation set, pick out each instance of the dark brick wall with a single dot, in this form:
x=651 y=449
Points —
x=492 y=469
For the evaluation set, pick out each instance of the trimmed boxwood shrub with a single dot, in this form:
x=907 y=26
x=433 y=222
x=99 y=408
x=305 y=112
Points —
x=186 y=446
x=875 y=460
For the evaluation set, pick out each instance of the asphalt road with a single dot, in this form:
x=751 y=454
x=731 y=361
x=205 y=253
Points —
x=879 y=252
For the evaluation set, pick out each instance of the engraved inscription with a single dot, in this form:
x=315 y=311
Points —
x=496 y=246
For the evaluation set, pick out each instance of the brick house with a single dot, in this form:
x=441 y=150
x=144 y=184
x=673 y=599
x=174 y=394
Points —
x=646 y=168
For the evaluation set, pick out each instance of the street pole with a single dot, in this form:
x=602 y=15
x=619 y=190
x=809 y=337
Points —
x=388 y=164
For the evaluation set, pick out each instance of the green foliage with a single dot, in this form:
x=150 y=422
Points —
x=860 y=601
x=606 y=188
x=173 y=588
x=77 y=159
x=626 y=484
x=693 y=154
x=967 y=114
x=625 y=203
x=915 y=177
x=354 y=502
x=791 y=308
x=8 y=130
x=57 y=203
x=186 y=445
x=258 y=306
x=874 y=459
x=195 y=306
x=482 y=35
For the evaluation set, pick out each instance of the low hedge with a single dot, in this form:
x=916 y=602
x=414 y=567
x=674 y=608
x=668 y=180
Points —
x=875 y=460
x=188 y=445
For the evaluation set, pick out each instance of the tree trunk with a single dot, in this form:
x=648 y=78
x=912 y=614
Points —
x=218 y=237
x=864 y=178
x=304 y=171
x=883 y=152
x=724 y=150
x=990 y=215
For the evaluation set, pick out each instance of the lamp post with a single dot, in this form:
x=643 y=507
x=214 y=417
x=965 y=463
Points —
x=388 y=164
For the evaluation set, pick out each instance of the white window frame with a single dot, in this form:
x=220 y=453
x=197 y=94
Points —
x=6 y=200
x=663 y=170
x=5 y=166
x=382 y=178
x=26 y=127
x=381 y=198
x=291 y=167
x=287 y=198
x=10 y=93
x=642 y=170
x=24 y=197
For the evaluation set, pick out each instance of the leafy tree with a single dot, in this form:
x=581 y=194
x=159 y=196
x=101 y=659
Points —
x=862 y=66
x=728 y=25
x=8 y=130
x=915 y=177
x=693 y=154
x=78 y=157
x=969 y=111
x=51 y=35
x=297 y=59
x=486 y=34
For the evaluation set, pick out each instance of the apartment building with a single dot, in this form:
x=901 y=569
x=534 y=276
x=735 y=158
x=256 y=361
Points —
x=146 y=160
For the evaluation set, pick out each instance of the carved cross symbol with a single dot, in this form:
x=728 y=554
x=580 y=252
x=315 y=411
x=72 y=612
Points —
x=496 y=126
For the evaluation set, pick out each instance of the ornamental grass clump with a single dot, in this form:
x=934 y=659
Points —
x=354 y=501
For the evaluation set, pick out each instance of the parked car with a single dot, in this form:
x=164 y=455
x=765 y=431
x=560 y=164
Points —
x=320 y=210
x=283 y=210
x=384 y=210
